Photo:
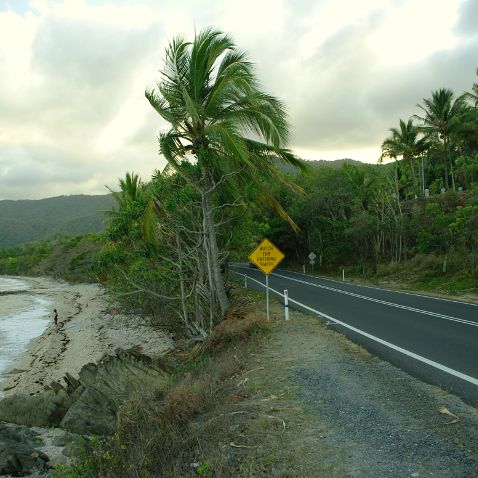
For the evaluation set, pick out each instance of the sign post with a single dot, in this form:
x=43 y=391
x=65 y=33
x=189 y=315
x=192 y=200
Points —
x=312 y=257
x=266 y=257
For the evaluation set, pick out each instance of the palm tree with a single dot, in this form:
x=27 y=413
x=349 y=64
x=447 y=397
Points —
x=222 y=121
x=442 y=117
x=134 y=206
x=473 y=95
x=131 y=191
x=404 y=142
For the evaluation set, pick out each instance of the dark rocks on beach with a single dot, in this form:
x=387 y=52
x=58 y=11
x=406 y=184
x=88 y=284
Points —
x=19 y=454
x=89 y=404
x=43 y=410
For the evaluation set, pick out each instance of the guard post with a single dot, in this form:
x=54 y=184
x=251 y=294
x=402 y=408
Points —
x=286 y=304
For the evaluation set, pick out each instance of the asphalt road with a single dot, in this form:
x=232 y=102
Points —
x=433 y=339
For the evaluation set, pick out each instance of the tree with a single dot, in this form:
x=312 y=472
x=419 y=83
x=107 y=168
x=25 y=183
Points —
x=404 y=142
x=223 y=122
x=127 y=222
x=473 y=95
x=442 y=117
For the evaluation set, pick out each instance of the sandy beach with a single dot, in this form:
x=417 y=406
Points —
x=88 y=328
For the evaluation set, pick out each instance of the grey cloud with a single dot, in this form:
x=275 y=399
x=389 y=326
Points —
x=28 y=171
x=339 y=98
x=331 y=111
x=352 y=102
x=467 y=24
x=87 y=71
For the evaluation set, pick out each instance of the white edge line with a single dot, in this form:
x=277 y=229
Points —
x=436 y=365
x=383 y=302
x=381 y=288
x=239 y=264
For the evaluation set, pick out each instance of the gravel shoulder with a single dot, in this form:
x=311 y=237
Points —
x=348 y=413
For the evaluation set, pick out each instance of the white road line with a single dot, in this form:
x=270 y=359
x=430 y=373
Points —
x=379 y=301
x=384 y=302
x=413 y=355
x=385 y=290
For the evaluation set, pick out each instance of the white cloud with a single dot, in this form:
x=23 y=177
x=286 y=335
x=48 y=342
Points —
x=73 y=116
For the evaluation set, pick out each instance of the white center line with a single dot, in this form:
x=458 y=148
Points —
x=383 y=302
x=413 y=355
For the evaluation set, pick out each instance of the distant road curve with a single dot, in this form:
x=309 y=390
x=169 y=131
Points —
x=432 y=338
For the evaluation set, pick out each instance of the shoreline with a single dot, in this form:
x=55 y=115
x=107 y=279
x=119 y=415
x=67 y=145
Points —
x=88 y=329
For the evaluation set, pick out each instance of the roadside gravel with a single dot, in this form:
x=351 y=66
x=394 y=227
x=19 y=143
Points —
x=371 y=418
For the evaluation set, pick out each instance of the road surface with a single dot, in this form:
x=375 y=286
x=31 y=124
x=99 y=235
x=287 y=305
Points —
x=431 y=338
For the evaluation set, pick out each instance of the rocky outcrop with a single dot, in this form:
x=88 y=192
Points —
x=43 y=410
x=89 y=404
x=19 y=453
x=102 y=388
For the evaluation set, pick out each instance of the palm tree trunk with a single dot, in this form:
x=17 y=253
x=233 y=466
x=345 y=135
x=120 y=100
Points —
x=414 y=178
x=445 y=163
x=452 y=176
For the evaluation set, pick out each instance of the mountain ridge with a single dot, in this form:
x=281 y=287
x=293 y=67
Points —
x=27 y=220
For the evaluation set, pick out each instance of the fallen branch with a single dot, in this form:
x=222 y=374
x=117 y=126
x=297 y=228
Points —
x=240 y=446
x=445 y=411
x=277 y=418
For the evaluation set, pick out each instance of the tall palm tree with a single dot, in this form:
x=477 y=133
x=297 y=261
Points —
x=441 y=117
x=473 y=95
x=222 y=121
x=404 y=142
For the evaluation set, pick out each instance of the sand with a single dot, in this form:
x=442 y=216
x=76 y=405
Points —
x=88 y=328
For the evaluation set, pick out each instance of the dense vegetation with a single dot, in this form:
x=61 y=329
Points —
x=72 y=259
x=415 y=219
x=25 y=221
x=167 y=243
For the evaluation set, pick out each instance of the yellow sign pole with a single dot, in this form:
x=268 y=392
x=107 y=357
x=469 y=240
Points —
x=266 y=256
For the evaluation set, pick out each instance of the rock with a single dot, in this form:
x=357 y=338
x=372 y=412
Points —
x=65 y=439
x=18 y=455
x=15 y=371
x=105 y=386
x=88 y=405
x=44 y=410
x=59 y=460
x=73 y=451
x=71 y=383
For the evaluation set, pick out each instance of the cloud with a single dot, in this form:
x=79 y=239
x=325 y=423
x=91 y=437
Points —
x=468 y=20
x=73 y=96
x=73 y=116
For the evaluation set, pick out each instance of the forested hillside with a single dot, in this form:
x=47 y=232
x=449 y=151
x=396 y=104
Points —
x=31 y=220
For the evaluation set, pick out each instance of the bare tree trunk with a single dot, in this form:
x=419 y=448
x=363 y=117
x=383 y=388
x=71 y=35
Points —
x=213 y=250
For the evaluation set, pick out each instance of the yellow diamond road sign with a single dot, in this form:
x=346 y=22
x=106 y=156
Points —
x=266 y=256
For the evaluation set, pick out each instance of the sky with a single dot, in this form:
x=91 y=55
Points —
x=73 y=116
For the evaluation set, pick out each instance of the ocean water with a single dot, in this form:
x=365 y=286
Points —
x=22 y=318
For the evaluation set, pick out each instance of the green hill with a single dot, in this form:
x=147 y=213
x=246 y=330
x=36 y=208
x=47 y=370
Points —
x=24 y=221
